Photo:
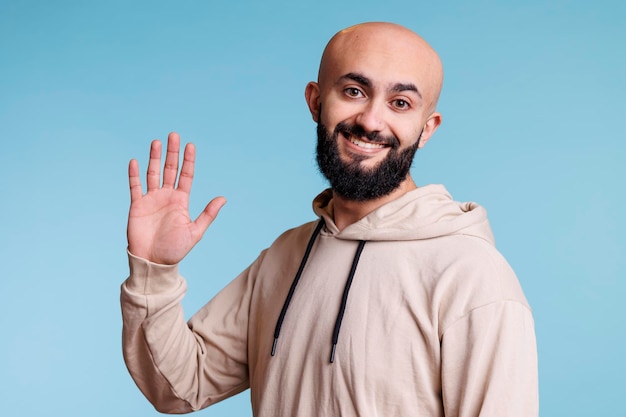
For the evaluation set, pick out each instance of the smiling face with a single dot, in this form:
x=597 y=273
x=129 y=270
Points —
x=377 y=90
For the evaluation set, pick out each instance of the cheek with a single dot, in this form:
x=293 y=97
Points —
x=407 y=134
x=417 y=129
x=335 y=111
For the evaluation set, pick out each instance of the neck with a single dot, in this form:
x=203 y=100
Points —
x=347 y=212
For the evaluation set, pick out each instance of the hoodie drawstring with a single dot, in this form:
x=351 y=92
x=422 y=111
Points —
x=344 y=298
x=309 y=246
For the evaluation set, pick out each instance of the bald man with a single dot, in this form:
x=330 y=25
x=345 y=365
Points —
x=394 y=301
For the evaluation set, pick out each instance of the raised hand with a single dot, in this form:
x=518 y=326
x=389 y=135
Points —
x=159 y=226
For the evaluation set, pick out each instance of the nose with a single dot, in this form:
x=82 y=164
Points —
x=371 y=117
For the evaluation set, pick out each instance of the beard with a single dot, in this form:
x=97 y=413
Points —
x=352 y=181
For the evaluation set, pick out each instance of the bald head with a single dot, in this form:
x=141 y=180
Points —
x=388 y=47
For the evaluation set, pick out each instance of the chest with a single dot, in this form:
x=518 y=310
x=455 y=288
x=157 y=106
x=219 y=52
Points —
x=388 y=322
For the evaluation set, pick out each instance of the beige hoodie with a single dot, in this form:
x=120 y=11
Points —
x=435 y=322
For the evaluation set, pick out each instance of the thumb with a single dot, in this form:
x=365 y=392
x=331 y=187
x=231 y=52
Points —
x=204 y=220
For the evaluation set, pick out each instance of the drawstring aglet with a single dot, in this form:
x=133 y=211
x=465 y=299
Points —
x=274 y=346
x=332 y=353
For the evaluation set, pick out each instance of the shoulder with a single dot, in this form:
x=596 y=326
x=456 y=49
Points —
x=288 y=247
x=294 y=237
x=473 y=274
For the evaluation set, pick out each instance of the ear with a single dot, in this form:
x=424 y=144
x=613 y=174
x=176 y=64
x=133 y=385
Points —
x=432 y=123
x=312 y=96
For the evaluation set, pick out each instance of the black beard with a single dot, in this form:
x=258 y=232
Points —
x=349 y=179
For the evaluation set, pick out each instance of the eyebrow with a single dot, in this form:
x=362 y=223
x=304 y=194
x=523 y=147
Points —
x=400 y=87
x=361 y=79
x=396 y=88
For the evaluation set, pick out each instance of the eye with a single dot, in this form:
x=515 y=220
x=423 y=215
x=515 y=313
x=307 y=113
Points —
x=353 y=92
x=401 y=104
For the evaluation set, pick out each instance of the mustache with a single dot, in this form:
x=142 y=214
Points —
x=359 y=131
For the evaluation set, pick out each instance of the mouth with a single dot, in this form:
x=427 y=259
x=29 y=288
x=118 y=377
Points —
x=367 y=145
x=363 y=143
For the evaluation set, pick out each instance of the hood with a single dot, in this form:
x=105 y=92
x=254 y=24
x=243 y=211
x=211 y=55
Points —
x=424 y=213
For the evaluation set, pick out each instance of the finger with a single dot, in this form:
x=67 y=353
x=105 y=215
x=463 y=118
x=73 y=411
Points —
x=170 y=169
x=153 y=177
x=186 y=172
x=204 y=220
x=134 y=181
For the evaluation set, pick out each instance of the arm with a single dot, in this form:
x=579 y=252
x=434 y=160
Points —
x=183 y=367
x=165 y=357
x=489 y=363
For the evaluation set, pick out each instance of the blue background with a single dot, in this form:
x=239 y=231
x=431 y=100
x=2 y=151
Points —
x=533 y=107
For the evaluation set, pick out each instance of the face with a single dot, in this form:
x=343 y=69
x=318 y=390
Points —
x=373 y=95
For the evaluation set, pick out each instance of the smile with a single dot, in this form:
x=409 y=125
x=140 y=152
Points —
x=363 y=144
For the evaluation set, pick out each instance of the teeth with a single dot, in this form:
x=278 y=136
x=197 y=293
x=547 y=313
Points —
x=368 y=145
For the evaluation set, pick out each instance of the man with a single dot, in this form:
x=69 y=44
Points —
x=394 y=302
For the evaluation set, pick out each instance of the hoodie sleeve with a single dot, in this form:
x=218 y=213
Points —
x=489 y=363
x=179 y=366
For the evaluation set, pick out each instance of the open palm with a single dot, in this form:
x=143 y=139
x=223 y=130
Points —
x=159 y=226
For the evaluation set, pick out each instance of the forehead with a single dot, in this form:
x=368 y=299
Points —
x=384 y=60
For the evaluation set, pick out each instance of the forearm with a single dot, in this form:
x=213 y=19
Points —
x=178 y=366
x=153 y=325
